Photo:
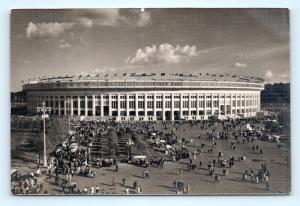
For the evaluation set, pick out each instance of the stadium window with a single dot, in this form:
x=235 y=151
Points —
x=208 y=104
x=123 y=104
x=62 y=104
x=141 y=104
x=176 y=104
x=201 y=103
x=150 y=104
x=132 y=104
x=114 y=104
x=193 y=104
x=216 y=103
x=185 y=104
x=90 y=104
x=159 y=104
x=185 y=113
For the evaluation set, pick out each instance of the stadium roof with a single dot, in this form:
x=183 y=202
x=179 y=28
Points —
x=147 y=76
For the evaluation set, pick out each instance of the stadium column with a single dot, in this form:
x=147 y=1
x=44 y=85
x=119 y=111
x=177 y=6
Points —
x=181 y=105
x=219 y=104
x=197 y=105
x=163 y=107
x=258 y=101
x=253 y=103
x=211 y=103
x=59 y=105
x=78 y=106
x=235 y=102
x=93 y=105
x=71 y=106
x=136 y=105
x=204 y=104
x=225 y=103
x=154 y=106
x=119 y=107
x=253 y=100
x=145 y=104
x=230 y=112
x=258 y=97
x=245 y=103
x=86 y=106
x=172 y=107
x=127 y=105
x=101 y=105
x=109 y=105
x=65 y=106
x=189 y=105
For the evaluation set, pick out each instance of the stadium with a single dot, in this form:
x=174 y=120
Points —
x=147 y=97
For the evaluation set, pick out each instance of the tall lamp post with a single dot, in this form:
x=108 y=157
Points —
x=44 y=109
x=129 y=143
x=68 y=101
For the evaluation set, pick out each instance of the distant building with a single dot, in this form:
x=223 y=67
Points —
x=147 y=97
x=276 y=93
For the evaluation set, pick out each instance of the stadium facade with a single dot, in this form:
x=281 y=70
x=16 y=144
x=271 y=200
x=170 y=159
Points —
x=147 y=97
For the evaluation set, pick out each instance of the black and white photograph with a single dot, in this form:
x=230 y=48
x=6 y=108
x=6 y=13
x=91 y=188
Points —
x=150 y=101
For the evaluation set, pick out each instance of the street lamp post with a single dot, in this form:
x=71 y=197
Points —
x=44 y=109
x=69 y=111
x=129 y=143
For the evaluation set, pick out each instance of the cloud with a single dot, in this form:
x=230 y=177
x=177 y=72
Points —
x=49 y=30
x=65 y=34
x=144 y=19
x=240 y=65
x=164 y=53
x=86 y=22
x=286 y=74
x=65 y=46
x=269 y=74
x=117 y=17
x=283 y=77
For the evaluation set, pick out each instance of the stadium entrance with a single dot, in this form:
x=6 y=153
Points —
x=168 y=115
x=105 y=110
x=176 y=115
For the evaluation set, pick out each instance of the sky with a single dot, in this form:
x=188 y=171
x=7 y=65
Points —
x=252 y=42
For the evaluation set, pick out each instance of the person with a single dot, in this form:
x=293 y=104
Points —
x=146 y=174
x=188 y=188
x=38 y=171
x=217 y=178
x=175 y=184
x=267 y=186
x=97 y=189
x=92 y=190
x=113 y=182
x=123 y=181
x=127 y=191
x=256 y=180
x=117 y=167
x=139 y=189
x=134 y=184
x=180 y=171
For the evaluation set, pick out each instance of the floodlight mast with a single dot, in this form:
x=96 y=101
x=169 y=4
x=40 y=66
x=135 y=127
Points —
x=44 y=109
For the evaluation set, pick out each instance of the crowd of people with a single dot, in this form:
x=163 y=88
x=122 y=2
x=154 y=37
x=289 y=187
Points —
x=28 y=183
x=72 y=157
